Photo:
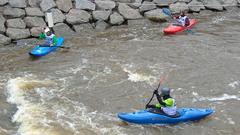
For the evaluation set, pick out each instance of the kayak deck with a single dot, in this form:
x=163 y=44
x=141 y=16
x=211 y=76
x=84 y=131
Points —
x=172 y=29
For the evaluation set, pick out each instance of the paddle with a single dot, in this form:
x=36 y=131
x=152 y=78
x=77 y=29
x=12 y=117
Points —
x=168 y=12
x=54 y=46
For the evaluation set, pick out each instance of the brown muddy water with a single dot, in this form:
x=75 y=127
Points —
x=79 y=91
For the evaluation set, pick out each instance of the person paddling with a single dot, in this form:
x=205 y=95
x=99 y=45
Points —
x=182 y=19
x=166 y=103
x=49 y=38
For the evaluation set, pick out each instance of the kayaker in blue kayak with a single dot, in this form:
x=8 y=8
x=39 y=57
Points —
x=49 y=38
x=166 y=103
x=182 y=19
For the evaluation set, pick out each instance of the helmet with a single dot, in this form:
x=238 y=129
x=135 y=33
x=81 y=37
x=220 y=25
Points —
x=165 y=91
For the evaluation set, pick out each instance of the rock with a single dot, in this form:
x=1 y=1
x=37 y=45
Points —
x=116 y=19
x=34 y=3
x=34 y=22
x=212 y=4
x=177 y=7
x=47 y=4
x=62 y=29
x=146 y=6
x=186 y=1
x=105 y=4
x=84 y=4
x=76 y=16
x=16 y=23
x=156 y=15
x=163 y=3
x=35 y=31
x=128 y=12
x=101 y=25
x=13 y=12
x=15 y=33
x=18 y=3
x=33 y=11
x=58 y=16
x=206 y=12
x=228 y=3
x=4 y=40
x=195 y=6
x=101 y=15
x=64 y=5
x=2 y=26
x=84 y=28
x=3 y=2
x=136 y=4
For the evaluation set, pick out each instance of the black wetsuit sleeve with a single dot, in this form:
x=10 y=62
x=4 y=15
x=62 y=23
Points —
x=160 y=100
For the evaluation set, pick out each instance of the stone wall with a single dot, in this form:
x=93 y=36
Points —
x=24 y=18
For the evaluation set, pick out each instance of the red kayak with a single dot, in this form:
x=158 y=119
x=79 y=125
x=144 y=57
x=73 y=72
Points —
x=172 y=29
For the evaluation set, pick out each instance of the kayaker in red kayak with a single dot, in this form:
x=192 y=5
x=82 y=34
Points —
x=182 y=19
x=166 y=103
x=49 y=38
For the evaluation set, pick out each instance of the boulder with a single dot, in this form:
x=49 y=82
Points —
x=146 y=6
x=15 y=33
x=177 y=7
x=116 y=19
x=18 y=3
x=4 y=40
x=101 y=25
x=3 y=2
x=16 y=23
x=84 y=4
x=105 y=4
x=2 y=26
x=33 y=11
x=62 y=29
x=58 y=16
x=195 y=6
x=76 y=16
x=128 y=12
x=228 y=3
x=35 y=31
x=156 y=15
x=163 y=3
x=34 y=22
x=136 y=4
x=64 y=5
x=83 y=28
x=212 y=5
x=47 y=4
x=101 y=15
x=34 y=3
x=13 y=12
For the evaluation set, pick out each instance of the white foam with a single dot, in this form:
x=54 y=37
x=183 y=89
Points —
x=234 y=84
x=220 y=98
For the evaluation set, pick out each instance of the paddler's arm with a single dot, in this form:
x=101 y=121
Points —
x=54 y=40
x=159 y=98
x=42 y=36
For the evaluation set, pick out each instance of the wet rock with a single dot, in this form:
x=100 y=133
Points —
x=2 y=26
x=128 y=12
x=84 y=4
x=34 y=3
x=15 y=33
x=136 y=4
x=228 y=3
x=116 y=19
x=3 y=2
x=146 y=6
x=101 y=15
x=18 y=3
x=156 y=15
x=83 y=28
x=64 y=5
x=206 y=12
x=101 y=25
x=62 y=29
x=212 y=4
x=163 y=2
x=177 y=7
x=76 y=16
x=13 y=12
x=35 y=31
x=105 y=4
x=33 y=11
x=47 y=4
x=195 y=6
x=58 y=16
x=34 y=22
x=16 y=23
x=4 y=40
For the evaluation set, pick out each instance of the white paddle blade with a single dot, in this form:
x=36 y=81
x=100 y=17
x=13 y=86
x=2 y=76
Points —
x=49 y=19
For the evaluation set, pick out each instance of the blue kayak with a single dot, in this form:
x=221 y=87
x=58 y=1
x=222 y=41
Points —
x=39 y=50
x=151 y=116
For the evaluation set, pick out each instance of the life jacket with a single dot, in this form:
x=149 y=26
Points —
x=48 y=39
x=184 y=20
x=170 y=108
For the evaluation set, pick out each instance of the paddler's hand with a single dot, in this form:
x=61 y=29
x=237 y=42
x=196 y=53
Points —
x=155 y=92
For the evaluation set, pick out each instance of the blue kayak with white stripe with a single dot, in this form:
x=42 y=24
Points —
x=152 y=116
x=39 y=50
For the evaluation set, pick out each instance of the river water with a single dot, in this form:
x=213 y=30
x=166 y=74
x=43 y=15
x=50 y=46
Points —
x=79 y=91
